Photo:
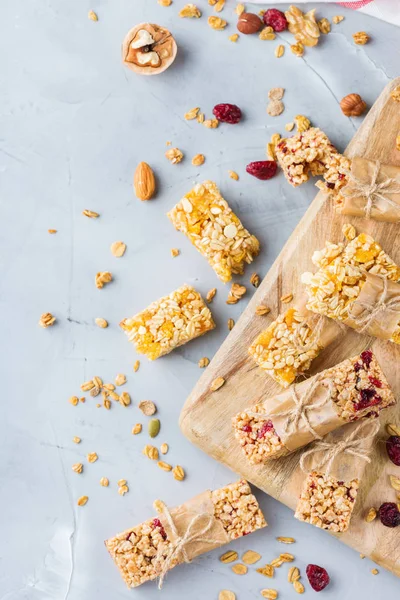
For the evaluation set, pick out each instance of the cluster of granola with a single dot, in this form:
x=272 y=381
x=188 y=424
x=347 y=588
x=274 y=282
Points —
x=326 y=502
x=306 y=152
x=257 y=435
x=278 y=350
x=335 y=178
x=213 y=228
x=169 y=322
x=237 y=509
x=342 y=273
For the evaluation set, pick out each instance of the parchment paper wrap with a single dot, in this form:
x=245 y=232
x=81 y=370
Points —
x=323 y=330
x=376 y=311
x=373 y=191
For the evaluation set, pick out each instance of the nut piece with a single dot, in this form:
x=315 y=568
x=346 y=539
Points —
x=229 y=557
x=144 y=182
x=190 y=11
x=174 y=155
x=178 y=473
x=147 y=407
x=47 y=320
x=303 y=25
x=360 y=38
x=148 y=49
x=352 y=105
x=249 y=23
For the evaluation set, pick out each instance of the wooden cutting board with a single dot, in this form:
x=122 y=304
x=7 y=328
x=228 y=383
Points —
x=206 y=417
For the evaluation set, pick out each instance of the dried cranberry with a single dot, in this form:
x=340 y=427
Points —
x=275 y=19
x=227 y=113
x=247 y=428
x=366 y=357
x=267 y=426
x=393 y=449
x=157 y=524
x=262 y=169
x=376 y=382
x=357 y=367
x=318 y=577
x=341 y=176
x=330 y=185
x=368 y=397
x=389 y=514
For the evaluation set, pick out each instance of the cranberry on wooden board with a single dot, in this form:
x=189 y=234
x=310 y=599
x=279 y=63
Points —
x=318 y=577
x=262 y=169
x=389 y=514
x=393 y=449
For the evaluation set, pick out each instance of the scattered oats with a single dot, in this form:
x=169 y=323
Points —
x=287 y=298
x=164 y=2
x=200 y=118
x=114 y=396
x=190 y=11
x=98 y=382
x=324 y=25
x=279 y=51
x=136 y=366
x=239 y=569
x=360 y=38
x=198 y=160
x=151 y=452
x=109 y=386
x=267 y=571
x=76 y=440
x=297 y=49
x=255 y=280
x=102 y=278
x=275 y=108
x=121 y=482
x=219 y=5
x=289 y=126
x=102 y=323
x=231 y=324
x=269 y=594
x=392 y=429
x=192 y=113
x=349 y=231
x=240 y=8
x=293 y=574
x=229 y=556
x=87 y=386
x=174 y=252
x=203 y=362
x=374 y=571
x=250 y=557
x=74 y=400
x=164 y=448
x=211 y=123
x=107 y=403
x=286 y=557
x=52 y=230
x=212 y=2
x=276 y=93
x=395 y=94
x=123 y=490
x=233 y=175
x=211 y=295
x=125 y=399
x=395 y=482
x=147 y=407
x=217 y=23
x=104 y=482
x=178 y=473
x=174 y=155
x=226 y=595
x=120 y=379
x=337 y=19
x=137 y=429
x=237 y=291
x=286 y=540
x=234 y=37
x=90 y=213
x=371 y=515
x=267 y=34
x=77 y=467
x=302 y=123
x=271 y=151
x=277 y=562
x=262 y=310
x=118 y=249
x=164 y=466
x=82 y=500
x=217 y=384
x=92 y=457
x=298 y=587
x=47 y=320
x=153 y=427
x=92 y=15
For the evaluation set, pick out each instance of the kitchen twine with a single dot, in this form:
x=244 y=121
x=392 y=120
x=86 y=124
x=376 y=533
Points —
x=371 y=311
x=372 y=191
x=178 y=546
x=352 y=444
x=314 y=338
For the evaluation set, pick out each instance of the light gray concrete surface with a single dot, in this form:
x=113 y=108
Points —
x=73 y=125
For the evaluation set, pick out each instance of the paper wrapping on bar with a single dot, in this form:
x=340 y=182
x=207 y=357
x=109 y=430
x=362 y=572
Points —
x=344 y=453
x=376 y=311
x=320 y=412
x=373 y=191
x=194 y=522
x=323 y=330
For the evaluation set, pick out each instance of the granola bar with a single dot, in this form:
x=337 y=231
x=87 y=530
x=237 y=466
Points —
x=139 y=552
x=326 y=502
x=308 y=152
x=169 y=322
x=213 y=228
x=357 y=389
x=335 y=178
x=342 y=272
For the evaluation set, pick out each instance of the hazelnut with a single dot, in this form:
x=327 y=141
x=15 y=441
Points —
x=352 y=105
x=249 y=23
x=148 y=49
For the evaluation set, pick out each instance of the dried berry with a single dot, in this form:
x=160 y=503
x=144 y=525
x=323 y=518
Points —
x=376 y=382
x=368 y=397
x=389 y=514
x=318 y=577
x=393 y=449
x=267 y=426
x=275 y=19
x=157 y=524
x=366 y=357
x=227 y=113
x=262 y=169
x=247 y=428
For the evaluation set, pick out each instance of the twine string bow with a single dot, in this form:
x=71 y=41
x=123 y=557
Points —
x=371 y=311
x=353 y=444
x=372 y=191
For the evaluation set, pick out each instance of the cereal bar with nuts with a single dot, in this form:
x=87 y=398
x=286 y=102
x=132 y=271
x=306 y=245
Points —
x=305 y=153
x=169 y=322
x=146 y=551
x=213 y=228
x=357 y=285
x=352 y=390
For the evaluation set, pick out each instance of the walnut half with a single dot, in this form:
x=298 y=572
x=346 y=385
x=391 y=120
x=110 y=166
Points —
x=148 y=49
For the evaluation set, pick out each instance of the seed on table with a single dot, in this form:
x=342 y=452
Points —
x=154 y=427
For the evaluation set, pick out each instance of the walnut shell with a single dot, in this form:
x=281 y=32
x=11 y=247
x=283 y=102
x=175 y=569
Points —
x=148 y=49
x=352 y=105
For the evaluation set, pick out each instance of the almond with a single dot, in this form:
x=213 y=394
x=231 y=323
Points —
x=144 y=182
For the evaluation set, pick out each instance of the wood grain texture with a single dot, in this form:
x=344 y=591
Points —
x=206 y=416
